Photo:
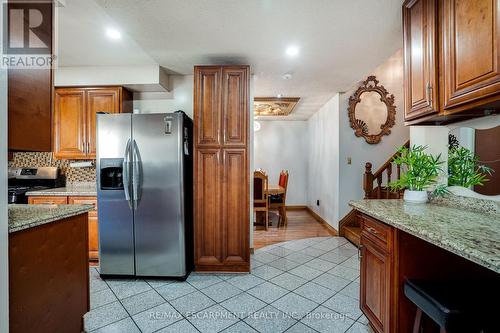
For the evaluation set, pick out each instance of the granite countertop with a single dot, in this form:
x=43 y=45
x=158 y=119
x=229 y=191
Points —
x=468 y=234
x=28 y=216
x=79 y=191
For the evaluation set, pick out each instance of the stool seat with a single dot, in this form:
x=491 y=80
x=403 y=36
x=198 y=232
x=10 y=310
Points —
x=458 y=306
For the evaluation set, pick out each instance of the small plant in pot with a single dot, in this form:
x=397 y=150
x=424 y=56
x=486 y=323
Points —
x=419 y=171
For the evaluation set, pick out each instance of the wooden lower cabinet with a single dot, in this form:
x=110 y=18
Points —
x=48 y=200
x=375 y=285
x=377 y=273
x=93 y=225
x=92 y=216
x=49 y=277
x=390 y=256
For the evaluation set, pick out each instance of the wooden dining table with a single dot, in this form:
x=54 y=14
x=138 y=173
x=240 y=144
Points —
x=275 y=189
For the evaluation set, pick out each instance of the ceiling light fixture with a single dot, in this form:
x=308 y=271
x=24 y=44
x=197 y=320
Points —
x=292 y=51
x=113 y=33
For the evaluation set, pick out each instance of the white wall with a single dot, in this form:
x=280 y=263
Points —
x=323 y=169
x=180 y=97
x=390 y=75
x=436 y=137
x=332 y=141
x=141 y=78
x=4 y=266
x=280 y=145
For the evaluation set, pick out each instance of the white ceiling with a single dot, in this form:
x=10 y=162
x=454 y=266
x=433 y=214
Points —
x=340 y=41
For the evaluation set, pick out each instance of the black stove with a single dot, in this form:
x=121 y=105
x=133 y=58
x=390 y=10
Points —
x=22 y=180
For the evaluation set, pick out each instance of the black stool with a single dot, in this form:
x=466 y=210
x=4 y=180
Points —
x=467 y=307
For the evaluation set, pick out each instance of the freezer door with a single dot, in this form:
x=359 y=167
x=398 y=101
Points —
x=116 y=221
x=159 y=220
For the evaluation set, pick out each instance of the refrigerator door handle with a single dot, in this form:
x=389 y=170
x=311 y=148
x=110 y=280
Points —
x=136 y=175
x=126 y=174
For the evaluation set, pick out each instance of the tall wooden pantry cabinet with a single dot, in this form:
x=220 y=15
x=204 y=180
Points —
x=221 y=168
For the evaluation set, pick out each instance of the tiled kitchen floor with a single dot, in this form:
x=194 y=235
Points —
x=307 y=285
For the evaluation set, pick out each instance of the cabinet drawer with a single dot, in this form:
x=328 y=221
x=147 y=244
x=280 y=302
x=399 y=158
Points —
x=83 y=201
x=378 y=232
x=48 y=200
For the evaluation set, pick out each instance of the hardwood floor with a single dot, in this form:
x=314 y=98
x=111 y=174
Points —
x=301 y=225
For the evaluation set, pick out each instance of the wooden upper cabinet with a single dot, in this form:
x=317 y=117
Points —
x=99 y=100
x=420 y=58
x=235 y=105
x=451 y=59
x=74 y=120
x=471 y=36
x=69 y=124
x=30 y=96
x=207 y=100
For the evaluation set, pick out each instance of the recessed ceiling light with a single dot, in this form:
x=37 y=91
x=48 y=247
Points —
x=292 y=51
x=287 y=76
x=113 y=33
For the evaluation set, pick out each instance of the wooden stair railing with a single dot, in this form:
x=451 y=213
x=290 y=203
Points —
x=381 y=191
x=349 y=226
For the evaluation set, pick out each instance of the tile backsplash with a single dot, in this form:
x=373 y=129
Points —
x=37 y=159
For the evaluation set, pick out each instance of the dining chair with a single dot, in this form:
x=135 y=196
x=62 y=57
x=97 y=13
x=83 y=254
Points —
x=279 y=201
x=260 y=201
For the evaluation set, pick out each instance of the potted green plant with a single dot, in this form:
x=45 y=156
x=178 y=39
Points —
x=464 y=168
x=419 y=172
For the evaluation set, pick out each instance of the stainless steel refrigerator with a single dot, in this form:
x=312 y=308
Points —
x=144 y=193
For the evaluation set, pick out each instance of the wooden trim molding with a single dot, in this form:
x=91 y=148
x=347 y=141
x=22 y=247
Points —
x=348 y=220
x=296 y=207
x=318 y=218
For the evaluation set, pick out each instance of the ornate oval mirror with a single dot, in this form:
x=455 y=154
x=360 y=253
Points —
x=371 y=111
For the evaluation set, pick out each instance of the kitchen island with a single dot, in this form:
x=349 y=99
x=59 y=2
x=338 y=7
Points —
x=48 y=267
x=402 y=241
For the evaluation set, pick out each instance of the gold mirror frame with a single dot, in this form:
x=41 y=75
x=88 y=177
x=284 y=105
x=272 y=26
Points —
x=359 y=126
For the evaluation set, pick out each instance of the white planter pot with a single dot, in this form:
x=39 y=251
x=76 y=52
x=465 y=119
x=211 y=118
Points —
x=416 y=196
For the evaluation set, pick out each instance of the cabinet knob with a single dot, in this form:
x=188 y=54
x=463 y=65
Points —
x=372 y=230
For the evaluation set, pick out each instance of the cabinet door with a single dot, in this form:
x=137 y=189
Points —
x=93 y=224
x=93 y=236
x=29 y=97
x=69 y=124
x=235 y=207
x=235 y=105
x=207 y=105
x=48 y=200
x=420 y=58
x=208 y=230
x=471 y=36
x=99 y=100
x=375 y=285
